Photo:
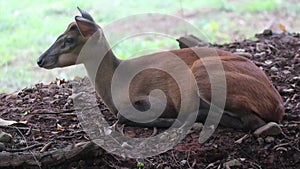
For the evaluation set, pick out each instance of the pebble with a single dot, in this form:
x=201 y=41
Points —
x=233 y=163
x=2 y=146
x=19 y=101
x=267 y=32
x=270 y=129
x=260 y=141
x=274 y=69
x=269 y=139
x=286 y=72
x=240 y=50
x=257 y=55
x=5 y=137
x=183 y=162
x=197 y=127
x=268 y=62
x=12 y=96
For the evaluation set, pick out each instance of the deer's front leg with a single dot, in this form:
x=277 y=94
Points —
x=146 y=112
x=160 y=122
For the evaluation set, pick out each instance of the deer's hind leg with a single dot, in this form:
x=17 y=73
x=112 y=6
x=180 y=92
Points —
x=248 y=122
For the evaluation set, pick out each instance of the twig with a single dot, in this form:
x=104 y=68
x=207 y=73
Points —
x=63 y=112
x=239 y=141
x=21 y=128
x=280 y=145
x=260 y=63
x=28 y=131
x=255 y=165
x=65 y=137
x=246 y=154
x=24 y=148
x=175 y=160
x=46 y=146
x=187 y=158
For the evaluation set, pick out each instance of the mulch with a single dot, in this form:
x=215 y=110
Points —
x=49 y=134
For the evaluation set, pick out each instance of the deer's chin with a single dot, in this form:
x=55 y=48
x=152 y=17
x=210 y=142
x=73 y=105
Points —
x=49 y=65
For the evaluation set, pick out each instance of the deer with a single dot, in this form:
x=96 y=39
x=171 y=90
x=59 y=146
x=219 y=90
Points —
x=251 y=99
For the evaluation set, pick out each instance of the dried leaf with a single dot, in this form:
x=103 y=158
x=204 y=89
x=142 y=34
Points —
x=59 y=127
x=4 y=123
x=282 y=27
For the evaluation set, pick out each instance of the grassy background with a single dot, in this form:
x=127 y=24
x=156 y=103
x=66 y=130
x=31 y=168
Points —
x=29 y=27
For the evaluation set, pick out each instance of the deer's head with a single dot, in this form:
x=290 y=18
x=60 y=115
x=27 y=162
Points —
x=65 y=50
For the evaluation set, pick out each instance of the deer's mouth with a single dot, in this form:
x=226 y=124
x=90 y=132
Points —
x=48 y=63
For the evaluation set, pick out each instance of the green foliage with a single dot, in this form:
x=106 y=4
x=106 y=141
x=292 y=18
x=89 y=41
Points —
x=140 y=165
x=29 y=27
x=257 y=5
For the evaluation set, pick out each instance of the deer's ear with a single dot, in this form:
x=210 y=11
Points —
x=86 y=27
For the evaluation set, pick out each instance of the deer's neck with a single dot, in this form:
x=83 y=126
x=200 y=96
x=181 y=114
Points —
x=100 y=70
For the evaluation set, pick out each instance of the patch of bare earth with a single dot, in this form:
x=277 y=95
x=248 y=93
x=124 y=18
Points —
x=52 y=136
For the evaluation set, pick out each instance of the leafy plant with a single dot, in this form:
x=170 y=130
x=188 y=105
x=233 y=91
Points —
x=140 y=165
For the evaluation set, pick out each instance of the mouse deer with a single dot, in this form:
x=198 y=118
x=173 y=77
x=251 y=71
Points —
x=251 y=99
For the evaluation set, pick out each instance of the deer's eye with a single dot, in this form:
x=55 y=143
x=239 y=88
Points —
x=70 y=40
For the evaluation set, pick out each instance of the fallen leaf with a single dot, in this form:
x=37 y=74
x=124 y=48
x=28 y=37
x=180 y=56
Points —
x=59 y=127
x=282 y=27
x=4 y=123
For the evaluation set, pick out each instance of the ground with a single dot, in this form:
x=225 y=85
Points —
x=52 y=127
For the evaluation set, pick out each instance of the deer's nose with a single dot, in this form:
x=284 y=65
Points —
x=40 y=62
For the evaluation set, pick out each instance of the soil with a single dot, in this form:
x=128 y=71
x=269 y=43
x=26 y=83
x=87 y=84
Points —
x=48 y=124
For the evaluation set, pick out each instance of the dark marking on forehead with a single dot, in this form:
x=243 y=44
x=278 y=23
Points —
x=59 y=37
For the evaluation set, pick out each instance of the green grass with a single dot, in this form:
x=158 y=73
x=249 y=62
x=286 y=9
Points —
x=29 y=27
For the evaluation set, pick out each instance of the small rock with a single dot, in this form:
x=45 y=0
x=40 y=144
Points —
x=260 y=47
x=274 y=69
x=269 y=139
x=233 y=163
x=183 y=162
x=12 y=96
x=268 y=62
x=267 y=32
x=5 y=137
x=240 y=50
x=197 y=127
x=260 y=141
x=73 y=84
x=19 y=101
x=58 y=96
x=2 y=147
x=257 y=55
x=46 y=98
x=296 y=78
x=270 y=129
x=286 y=72
x=126 y=145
